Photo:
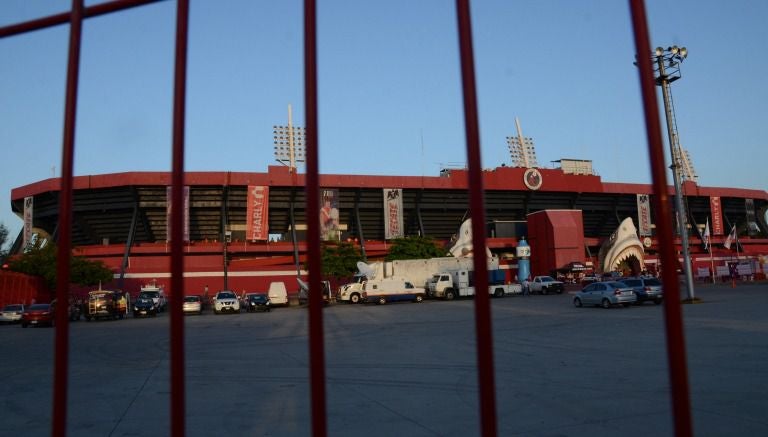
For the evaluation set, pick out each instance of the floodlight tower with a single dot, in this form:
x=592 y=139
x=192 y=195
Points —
x=290 y=143
x=667 y=70
x=521 y=149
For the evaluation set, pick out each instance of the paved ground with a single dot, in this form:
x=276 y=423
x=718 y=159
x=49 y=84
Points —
x=405 y=369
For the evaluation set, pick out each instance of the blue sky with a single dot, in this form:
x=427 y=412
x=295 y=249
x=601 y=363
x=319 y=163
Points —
x=389 y=87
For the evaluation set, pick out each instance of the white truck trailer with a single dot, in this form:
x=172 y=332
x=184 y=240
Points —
x=460 y=283
x=416 y=271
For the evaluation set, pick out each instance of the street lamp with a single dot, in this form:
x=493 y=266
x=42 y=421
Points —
x=667 y=70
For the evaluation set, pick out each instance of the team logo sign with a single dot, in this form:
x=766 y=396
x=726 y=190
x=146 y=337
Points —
x=532 y=179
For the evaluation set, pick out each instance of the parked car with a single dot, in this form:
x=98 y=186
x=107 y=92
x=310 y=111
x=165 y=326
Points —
x=226 y=301
x=144 y=307
x=193 y=305
x=157 y=300
x=39 y=314
x=605 y=294
x=646 y=289
x=257 y=302
x=12 y=313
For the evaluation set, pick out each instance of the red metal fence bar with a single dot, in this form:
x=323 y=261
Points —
x=177 y=222
x=61 y=348
x=483 y=331
x=64 y=17
x=316 y=335
x=678 y=373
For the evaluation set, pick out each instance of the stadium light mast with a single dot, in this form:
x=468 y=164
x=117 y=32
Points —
x=667 y=70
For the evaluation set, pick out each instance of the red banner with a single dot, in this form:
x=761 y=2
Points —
x=717 y=215
x=257 y=215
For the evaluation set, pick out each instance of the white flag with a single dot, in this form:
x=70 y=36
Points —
x=706 y=235
x=731 y=237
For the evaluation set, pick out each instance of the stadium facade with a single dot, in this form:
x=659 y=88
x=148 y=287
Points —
x=245 y=230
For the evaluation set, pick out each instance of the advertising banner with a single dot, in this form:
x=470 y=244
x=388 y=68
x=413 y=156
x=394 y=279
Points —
x=393 y=213
x=329 y=215
x=749 y=206
x=168 y=202
x=28 y=219
x=257 y=220
x=717 y=215
x=644 y=215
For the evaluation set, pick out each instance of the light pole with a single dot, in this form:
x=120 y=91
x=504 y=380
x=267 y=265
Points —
x=667 y=70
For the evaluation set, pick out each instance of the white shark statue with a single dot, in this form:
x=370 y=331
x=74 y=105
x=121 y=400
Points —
x=623 y=245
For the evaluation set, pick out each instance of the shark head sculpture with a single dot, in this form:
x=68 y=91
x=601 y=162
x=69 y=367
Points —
x=623 y=247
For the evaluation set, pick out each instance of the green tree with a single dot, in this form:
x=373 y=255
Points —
x=414 y=248
x=41 y=261
x=340 y=260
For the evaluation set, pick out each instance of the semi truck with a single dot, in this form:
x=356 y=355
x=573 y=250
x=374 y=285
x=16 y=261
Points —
x=460 y=283
x=416 y=271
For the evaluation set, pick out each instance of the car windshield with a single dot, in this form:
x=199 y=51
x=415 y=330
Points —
x=258 y=297
x=632 y=282
x=652 y=281
x=226 y=295
x=547 y=279
x=12 y=308
x=150 y=294
x=144 y=300
x=192 y=299
x=615 y=284
x=39 y=306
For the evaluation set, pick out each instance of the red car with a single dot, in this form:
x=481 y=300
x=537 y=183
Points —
x=38 y=314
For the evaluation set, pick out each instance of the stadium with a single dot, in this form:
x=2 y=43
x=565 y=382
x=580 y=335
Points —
x=246 y=230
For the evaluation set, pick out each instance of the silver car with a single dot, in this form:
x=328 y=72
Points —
x=605 y=294
x=12 y=313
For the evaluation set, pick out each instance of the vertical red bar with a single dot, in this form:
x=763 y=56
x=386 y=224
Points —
x=316 y=335
x=61 y=347
x=483 y=331
x=678 y=371
x=177 y=223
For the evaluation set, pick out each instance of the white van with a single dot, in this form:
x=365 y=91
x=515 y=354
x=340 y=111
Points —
x=277 y=293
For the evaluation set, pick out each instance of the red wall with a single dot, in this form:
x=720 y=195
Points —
x=21 y=288
x=556 y=238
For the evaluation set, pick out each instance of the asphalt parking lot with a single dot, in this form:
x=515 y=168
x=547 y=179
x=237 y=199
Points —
x=405 y=369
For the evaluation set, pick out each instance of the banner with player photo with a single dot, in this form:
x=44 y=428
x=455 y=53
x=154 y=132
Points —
x=393 y=213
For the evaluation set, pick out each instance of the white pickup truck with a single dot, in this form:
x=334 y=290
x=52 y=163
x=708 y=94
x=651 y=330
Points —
x=546 y=284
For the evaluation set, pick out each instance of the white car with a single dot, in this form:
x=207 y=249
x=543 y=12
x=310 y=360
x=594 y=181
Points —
x=226 y=301
x=193 y=305
x=12 y=313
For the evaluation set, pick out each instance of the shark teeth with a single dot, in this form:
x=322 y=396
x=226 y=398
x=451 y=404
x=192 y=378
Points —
x=626 y=254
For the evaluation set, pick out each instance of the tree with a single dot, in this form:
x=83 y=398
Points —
x=414 y=248
x=340 y=260
x=41 y=261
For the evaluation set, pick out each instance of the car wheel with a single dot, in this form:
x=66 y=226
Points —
x=606 y=303
x=449 y=295
x=382 y=300
x=544 y=290
x=626 y=305
x=498 y=293
x=24 y=325
x=419 y=298
x=577 y=302
x=657 y=301
x=355 y=298
x=559 y=291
